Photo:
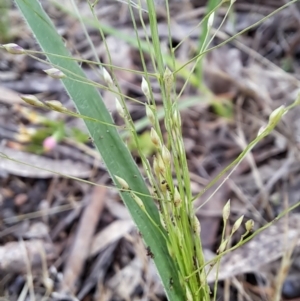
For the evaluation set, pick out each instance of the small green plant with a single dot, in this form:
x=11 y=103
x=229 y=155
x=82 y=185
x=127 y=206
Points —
x=4 y=21
x=165 y=215
x=46 y=133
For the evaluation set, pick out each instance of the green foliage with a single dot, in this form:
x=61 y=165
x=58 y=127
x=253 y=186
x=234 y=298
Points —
x=4 y=21
x=113 y=151
x=173 y=232
x=146 y=146
x=223 y=108
x=79 y=136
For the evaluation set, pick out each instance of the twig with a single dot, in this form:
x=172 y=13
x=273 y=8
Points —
x=81 y=246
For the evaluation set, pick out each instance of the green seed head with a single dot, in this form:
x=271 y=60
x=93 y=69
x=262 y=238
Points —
x=122 y=182
x=237 y=224
x=222 y=246
x=155 y=138
x=56 y=105
x=139 y=201
x=276 y=115
x=150 y=115
x=13 y=48
x=120 y=108
x=55 y=73
x=177 y=198
x=145 y=88
x=166 y=156
x=196 y=226
x=226 y=211
x=168 y=80
x=32 y=100
x=107 y=77
x=249 y=225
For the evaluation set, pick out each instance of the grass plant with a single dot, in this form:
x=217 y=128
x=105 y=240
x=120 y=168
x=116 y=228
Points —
x=165 y=215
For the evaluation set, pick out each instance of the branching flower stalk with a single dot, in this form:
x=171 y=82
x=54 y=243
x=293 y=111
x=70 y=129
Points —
x=179 y=224
x=171 y=185
x=175 y=200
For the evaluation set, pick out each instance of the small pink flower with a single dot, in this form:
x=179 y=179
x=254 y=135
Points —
x=49 y=143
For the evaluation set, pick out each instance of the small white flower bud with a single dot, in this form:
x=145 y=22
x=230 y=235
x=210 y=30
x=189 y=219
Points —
x=55 y=105
x=249 y=225
x=107 y=77
x=150 y=114
x=210 y=20
x=222 y=246
x=196 y=226
x=122 y=182
x=166 y=156
x=237 y=224
x=13 y=48
x=155 y=138
x=55 y=73
x=277 y=114
x=168 y=80
x=164 y=186
x=120 y=108
x=145 y=88
x=176 y=118
x=32 y=100
x=138 y=201
x=177 y=198
x=156 y=168
x=161 y=165
x=162 y=221
x=226 y=211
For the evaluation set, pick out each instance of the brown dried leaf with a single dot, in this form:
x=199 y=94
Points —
x=66 y=167
x=9 y=96
x=14 y=260
x=126 y=280
x=110 y=234
x=82 y=242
